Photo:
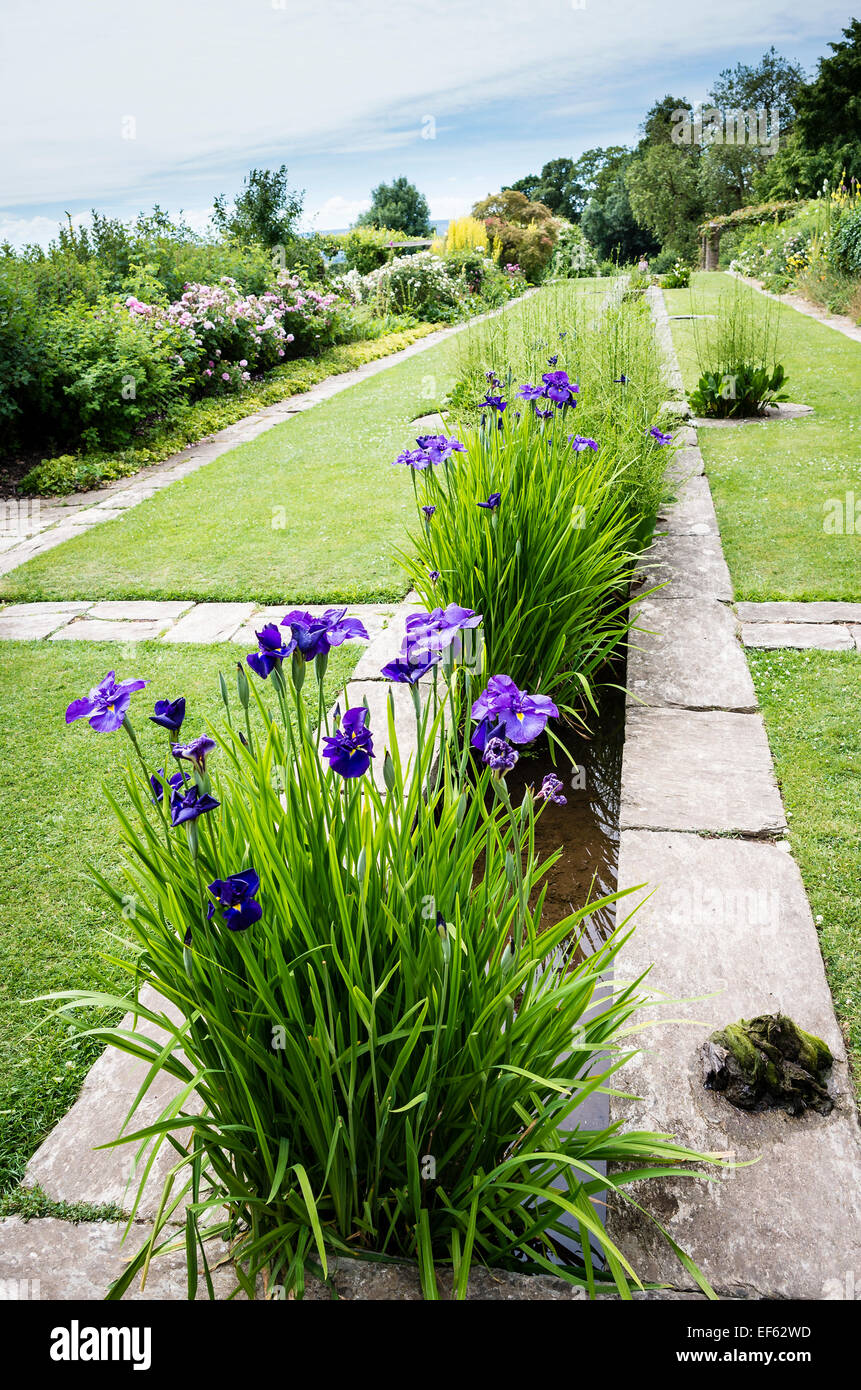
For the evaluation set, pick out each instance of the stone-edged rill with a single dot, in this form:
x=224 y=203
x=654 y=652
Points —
x=536 y=528
x=388 y=1043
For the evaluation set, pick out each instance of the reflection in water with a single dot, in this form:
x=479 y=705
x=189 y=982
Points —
x=586 y=829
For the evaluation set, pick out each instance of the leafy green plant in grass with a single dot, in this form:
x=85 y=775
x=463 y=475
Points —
x=538 y=538
x=389 y=1046
x=737 y=356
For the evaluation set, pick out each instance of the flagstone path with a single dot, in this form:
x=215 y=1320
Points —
x=841 y=323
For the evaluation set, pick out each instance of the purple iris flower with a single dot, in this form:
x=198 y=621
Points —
x=620 y=380
x=433 y=576
x=492 y=502
x=196 y=751
x=492 y=403
x=438 y=447
x=551 y=361
x=429 y=634
x=551 y=790
x=350 y=749
x=414 y=458
x=579 y=443
x=428 y=511
x=273 y=650
x=499 y=755
x=492 y=378
x=406 y=670
x=504 y=711
x=559 y=389
x=543 y=414
x=187 y=803
x=527 y=392
x=157 y=783
x=169 y=714
x=661 y=438
x=235 y=897
x=315 y=636
x=106 y=704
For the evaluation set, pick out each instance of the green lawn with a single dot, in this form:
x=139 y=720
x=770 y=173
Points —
x=53 y=925
x=310 y=511
x=812 y=707
x=772 y=481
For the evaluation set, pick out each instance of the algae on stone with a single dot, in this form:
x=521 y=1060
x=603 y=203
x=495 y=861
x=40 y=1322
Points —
x=769 y=1062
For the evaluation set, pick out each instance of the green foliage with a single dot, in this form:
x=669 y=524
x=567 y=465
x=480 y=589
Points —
x=572 y=256
x=550 y=568
x=737 y=353
x=108 y=375
x=391 y=1062
x=265 y=211
x=677 y=277
x=665 y=196
x=559 y=187
x=846 y=242
x=829 y=109
x=367 y=248
x=524 y=232
x=742 y=390
x=79 y=472
x=400 y=205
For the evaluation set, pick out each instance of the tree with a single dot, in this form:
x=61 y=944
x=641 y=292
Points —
x=829 y=109
x=264 y=212
x=398 y=206
x=665 y=196
x=607 y=221
x=558 y=187
x=774 y=84
x=510 y=205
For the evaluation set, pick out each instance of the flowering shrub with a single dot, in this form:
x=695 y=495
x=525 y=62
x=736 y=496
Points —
x=572 y=257
x=678 y=277
x=234 y=334
x=387 y=1044
x=422 y=284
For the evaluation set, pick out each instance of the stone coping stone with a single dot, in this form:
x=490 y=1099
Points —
x=139 y=610
x=48 y=1259
x=69 y=1165
x=787 y=410
x=31 y=627
x=826 y=637
x=686 y=567
x=685 y=652
x=102 y=630
x=692 y=513
x=211 y=622
x=816 y=612
x=685 y=463
x=699 y=771
x=58 y=1260
x=728 y=933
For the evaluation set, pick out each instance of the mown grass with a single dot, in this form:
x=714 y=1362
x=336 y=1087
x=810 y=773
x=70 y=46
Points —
x=812 y=707
x=310 y=511
x=775 y=483
x=54 y=925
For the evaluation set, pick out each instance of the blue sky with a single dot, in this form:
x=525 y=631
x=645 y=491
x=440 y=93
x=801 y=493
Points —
x=120 y=106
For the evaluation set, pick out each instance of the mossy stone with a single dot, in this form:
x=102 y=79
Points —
x=769 y=1062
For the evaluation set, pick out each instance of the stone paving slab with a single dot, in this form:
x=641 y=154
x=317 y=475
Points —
x=826 y=637
x=70 y=1166
x=687 y=567
x=701 y=771
x=687 y=462
x=729 y=922
x=139 y=610
x=99 y=630
x=816 y=612
x=685 y=652
x=211 y=622
x=50 y=1259
x=692 y=512
x=37 y=610
x=31 y=627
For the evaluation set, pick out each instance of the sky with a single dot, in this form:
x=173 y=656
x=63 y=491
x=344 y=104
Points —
x=120 y=104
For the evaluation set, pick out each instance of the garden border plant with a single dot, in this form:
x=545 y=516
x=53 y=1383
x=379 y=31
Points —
x=381 y=1005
